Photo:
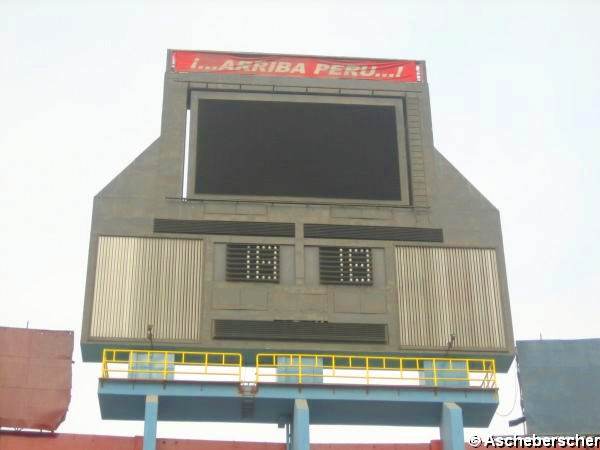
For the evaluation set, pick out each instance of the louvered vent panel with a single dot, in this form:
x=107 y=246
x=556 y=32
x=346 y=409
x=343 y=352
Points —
x=346 y=265
x=147 y=281
x=253 y=262
x=373 y=233
x=218 y=227
x=287 y=330
x=449 y=291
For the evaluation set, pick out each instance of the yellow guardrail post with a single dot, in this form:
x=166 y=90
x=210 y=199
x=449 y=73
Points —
x=434 y=372
x=129 y=362
x=319 y=367
x=104 y=371
x=257 y=368
x=401 y=369
x=333 y=365
x=468 y=371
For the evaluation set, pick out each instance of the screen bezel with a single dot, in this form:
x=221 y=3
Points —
x=396 y=103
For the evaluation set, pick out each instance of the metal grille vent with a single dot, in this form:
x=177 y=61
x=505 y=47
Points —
x=308 y=331
x=376 y=233
x=252 y=262
x=224 y=227
x=350 y=266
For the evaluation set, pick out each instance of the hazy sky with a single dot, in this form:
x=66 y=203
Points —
x=515 y=93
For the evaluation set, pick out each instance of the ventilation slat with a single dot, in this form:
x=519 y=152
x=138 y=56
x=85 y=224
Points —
x=287 y=330
x=377 y=233
x=220 y=227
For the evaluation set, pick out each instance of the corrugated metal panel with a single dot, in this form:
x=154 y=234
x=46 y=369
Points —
x=307 y=331
x=368 y=232
x=445 y=291
x=141 y=281
x=219 y=227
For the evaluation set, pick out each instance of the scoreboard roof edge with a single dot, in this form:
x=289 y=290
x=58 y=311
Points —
x=296 y=66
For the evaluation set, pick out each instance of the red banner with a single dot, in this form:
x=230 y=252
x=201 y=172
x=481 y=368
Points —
x=295 y=66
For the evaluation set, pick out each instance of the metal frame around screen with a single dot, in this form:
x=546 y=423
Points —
x=397 y=103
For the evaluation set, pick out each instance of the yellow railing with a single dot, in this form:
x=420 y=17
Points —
x=298 y=368
x=385 y=370
x=171 y=365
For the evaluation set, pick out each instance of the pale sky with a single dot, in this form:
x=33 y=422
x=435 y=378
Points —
x=515 y=98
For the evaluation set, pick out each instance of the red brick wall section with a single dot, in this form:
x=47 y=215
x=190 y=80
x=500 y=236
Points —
x=185 y=444
x=372 y=447
x=59 y=441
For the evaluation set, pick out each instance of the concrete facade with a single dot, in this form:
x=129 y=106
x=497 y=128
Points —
x=435 y=196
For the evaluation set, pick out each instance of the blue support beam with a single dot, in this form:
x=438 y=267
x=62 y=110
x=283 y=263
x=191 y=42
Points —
x=451 y=427
x=150 y=421
x=123 y=399
x=300 y=425
x=288 y=436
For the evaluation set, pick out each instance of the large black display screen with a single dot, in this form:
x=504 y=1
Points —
x=297 y=149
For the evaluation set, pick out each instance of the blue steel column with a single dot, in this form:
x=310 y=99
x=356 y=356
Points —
x=288 y=436
x=150 y=419
x=300 y=426
x=451 y=428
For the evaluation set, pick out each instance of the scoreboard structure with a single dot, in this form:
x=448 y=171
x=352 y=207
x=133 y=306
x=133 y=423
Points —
x=296 y=203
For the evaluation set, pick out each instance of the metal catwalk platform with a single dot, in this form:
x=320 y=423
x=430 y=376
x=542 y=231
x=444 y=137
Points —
x=297 y=390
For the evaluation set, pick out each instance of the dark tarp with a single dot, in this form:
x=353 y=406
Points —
x=35 y=377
